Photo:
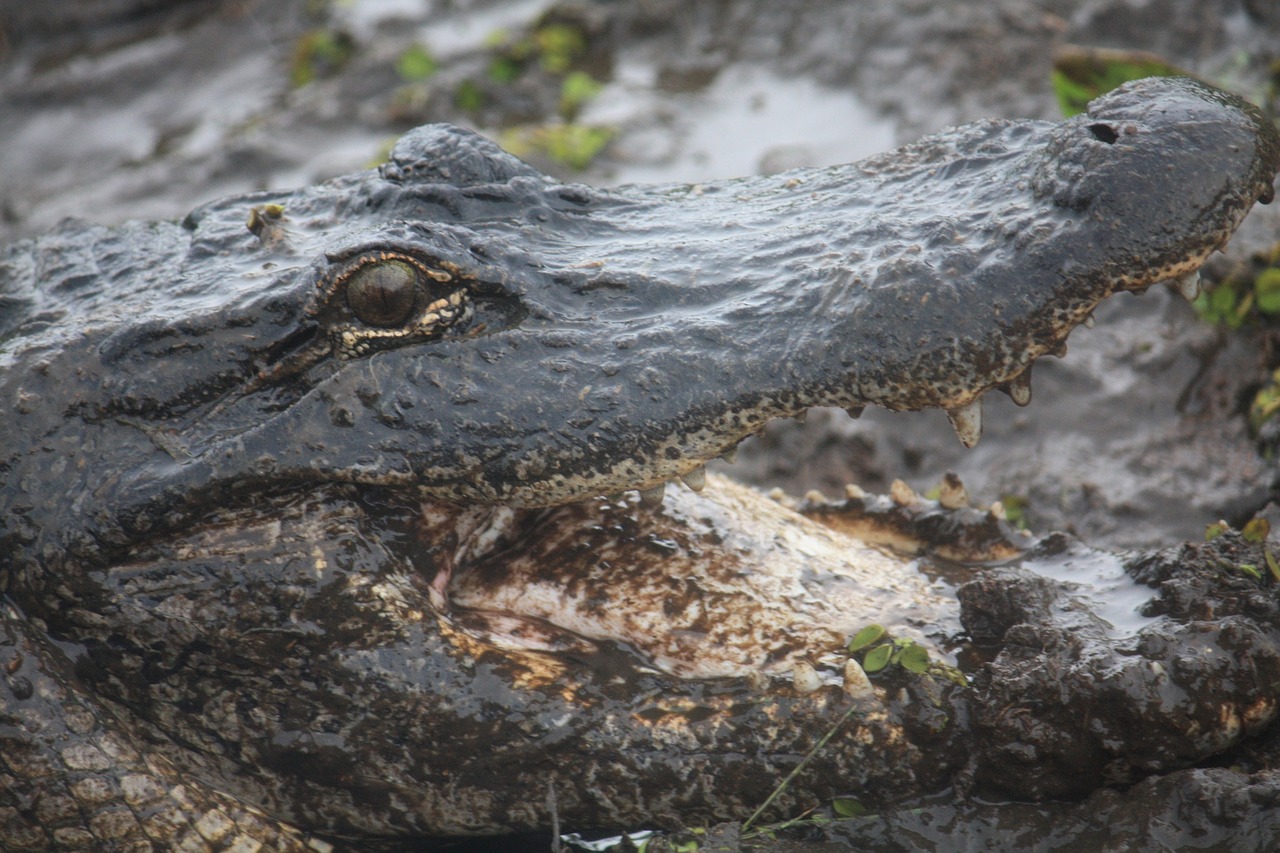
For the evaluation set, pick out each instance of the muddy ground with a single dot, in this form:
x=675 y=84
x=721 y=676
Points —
x=1137 y=439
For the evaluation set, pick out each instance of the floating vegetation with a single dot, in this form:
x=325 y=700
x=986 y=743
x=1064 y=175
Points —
x=319 y=53
x=569 y=144
x=416 y=63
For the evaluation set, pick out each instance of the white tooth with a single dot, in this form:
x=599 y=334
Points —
x=952 y=494
x=653 y=496
x=815 y=497
x=902 y=494
x=1020 y=388
x=854 y=492
x=1189 y=286
x=1089 y=321
x=804 y=677
x=856 y=683
x=730 y=455
x=967 y=422
x=695 y=479
x=998 y=512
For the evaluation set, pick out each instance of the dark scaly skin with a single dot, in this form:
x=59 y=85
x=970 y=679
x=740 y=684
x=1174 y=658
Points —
x=221 y=535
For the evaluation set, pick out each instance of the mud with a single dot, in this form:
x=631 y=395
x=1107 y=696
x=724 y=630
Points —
x=1137 y=439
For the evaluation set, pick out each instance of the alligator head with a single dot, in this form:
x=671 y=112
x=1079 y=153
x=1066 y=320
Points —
x=221 y=438
x=464 y=325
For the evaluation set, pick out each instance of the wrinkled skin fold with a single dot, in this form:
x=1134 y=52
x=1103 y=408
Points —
x=310 y=509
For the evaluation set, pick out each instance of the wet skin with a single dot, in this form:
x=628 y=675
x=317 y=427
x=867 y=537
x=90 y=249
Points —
x=276 y=501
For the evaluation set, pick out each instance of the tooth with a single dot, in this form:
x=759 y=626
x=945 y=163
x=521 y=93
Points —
x=804 y=677
x=902 y=494
x=695 y=479
x=855 y=411
x=952 y=494
x=854 y=492
x=802 y=417
x=1060 y=351
x=856 y=683
x=1189 y=286
x=1089 y=321
x=653 y=496
x=998 y=511
x=1020 y=388
x=815 y=497
x=967 y=422
x=730 y=455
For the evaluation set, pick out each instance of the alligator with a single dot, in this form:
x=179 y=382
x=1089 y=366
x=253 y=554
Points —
x=351 y=526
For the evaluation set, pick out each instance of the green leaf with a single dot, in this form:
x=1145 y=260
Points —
x=866 y=637
x=1272 y=565
x=1213 y=531
x=1256 y=530
x=914 y=658
x=848 y=807
x=878 y=658
x=1251 y=570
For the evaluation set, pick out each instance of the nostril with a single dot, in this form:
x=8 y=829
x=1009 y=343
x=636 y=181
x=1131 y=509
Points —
x=1104 y=133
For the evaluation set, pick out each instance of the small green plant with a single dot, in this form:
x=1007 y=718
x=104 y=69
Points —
x=416 y=64
x=1249 y=294
x=319 y=53
x=1081 y=74
x=1255 y=531
x=576 y=90
x=469 y=97
x=884 y=651
x=572 y=145
x=1015 y=509
x=1214 y=530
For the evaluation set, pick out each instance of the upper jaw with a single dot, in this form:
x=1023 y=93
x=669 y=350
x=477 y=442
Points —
x=655 y=328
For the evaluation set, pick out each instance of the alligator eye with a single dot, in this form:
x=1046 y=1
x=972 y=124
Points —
x=383 y=294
